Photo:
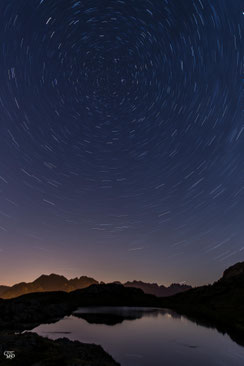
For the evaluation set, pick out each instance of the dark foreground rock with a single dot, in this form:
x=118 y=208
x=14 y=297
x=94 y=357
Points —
x=33 y=350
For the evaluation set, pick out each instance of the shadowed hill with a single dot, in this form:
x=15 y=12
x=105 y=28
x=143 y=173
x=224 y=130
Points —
x=27 y=311
x=221 y=303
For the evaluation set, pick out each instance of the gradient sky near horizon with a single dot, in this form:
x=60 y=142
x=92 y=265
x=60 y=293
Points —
x=122 y=139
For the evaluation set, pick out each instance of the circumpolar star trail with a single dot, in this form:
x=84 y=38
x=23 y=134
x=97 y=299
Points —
x=122 y=138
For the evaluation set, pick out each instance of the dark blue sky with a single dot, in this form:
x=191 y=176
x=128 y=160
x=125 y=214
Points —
x=122 y=139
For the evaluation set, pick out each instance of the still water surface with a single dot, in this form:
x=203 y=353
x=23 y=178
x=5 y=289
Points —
x=147 y=337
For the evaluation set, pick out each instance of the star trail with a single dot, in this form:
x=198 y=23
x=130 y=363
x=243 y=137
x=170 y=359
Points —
x=122 y=138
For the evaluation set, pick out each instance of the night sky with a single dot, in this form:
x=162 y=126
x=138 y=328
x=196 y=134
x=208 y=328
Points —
x=122 y=139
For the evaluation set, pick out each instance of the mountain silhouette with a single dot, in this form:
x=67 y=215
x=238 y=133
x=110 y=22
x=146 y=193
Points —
x=155 y=289
x=54 y=282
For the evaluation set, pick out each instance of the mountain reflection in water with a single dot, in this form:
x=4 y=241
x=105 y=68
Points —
x=147 y=336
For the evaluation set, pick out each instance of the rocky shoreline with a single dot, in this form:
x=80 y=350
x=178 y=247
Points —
x=31 y=349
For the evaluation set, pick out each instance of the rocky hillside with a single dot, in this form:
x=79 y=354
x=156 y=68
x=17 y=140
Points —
x=233 y=271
